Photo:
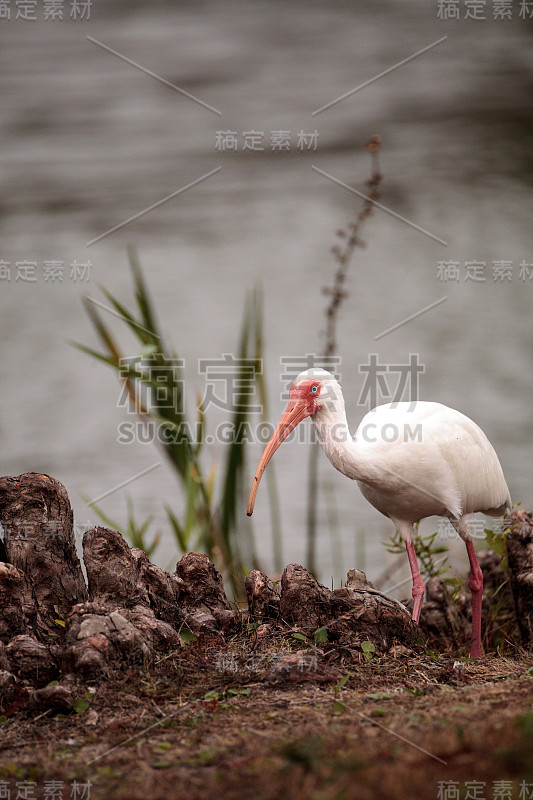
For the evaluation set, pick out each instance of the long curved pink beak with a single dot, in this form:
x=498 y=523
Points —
x=296 y=411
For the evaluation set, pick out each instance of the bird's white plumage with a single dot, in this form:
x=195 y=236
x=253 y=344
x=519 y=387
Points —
x=412 y=460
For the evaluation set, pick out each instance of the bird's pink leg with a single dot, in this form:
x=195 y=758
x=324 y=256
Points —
x=475 y=583
x=418 y=583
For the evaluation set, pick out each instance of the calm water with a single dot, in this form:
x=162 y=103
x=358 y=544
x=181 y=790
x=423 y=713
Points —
x=89 y=141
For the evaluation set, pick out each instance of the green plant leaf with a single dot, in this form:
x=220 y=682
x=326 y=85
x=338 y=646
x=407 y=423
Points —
x=426 y=550
x=368 y=650
x=300 y=637
x=188 y=636
x=163 y=745
x=495 y=541
x=321 y=634
x=200 y=523
x=80 y=705
x=338 y=686
x=179 y=532
x=111 y=362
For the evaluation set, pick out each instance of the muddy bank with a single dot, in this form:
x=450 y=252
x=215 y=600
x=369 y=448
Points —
x=144 y=683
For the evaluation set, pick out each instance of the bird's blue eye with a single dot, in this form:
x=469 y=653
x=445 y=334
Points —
x=314 y=389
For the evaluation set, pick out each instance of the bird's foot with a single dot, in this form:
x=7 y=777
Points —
x=415 y=616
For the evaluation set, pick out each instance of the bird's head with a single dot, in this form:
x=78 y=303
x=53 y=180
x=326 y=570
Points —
x=312 y=391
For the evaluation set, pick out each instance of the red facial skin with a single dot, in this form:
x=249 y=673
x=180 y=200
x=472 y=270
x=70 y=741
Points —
x=303 y=393
x=303 y=402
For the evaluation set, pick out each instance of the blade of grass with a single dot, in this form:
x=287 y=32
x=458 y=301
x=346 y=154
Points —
x=272 y=487
x=141 y=293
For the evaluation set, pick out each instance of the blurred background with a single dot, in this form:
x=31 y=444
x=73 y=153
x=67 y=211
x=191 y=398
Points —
x=89 y=140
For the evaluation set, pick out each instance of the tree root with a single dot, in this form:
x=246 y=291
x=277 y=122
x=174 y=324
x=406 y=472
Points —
x=130 y=614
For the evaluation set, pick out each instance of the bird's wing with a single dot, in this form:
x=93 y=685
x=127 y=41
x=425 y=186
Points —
x=473 y=462
x=442 y=452
x=412 y=479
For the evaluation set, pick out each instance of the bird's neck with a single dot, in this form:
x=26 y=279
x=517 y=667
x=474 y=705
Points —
x=334 y=436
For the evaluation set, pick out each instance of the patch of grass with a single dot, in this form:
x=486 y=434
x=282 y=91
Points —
x=153 y=387
x=426 y=552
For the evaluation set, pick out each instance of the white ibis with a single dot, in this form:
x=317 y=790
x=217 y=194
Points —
x=410 y=460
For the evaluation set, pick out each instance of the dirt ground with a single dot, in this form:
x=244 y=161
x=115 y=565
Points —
x=210 y=722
